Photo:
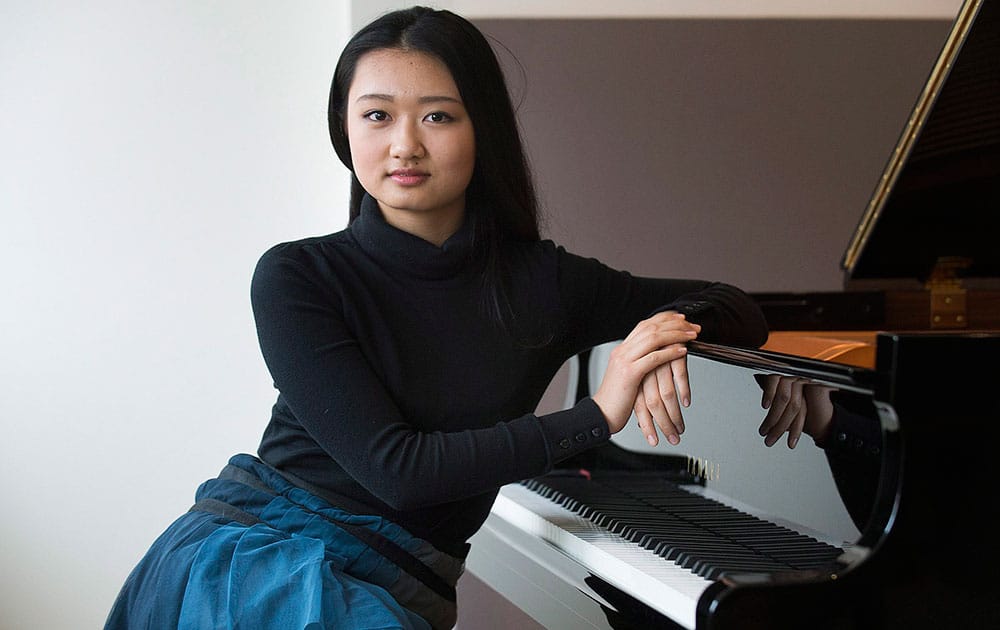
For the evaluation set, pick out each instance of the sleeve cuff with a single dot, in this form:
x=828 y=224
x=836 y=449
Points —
x=572 y=431
x=852 y=434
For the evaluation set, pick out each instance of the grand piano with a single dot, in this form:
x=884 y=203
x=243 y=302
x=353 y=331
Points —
x=885 y=522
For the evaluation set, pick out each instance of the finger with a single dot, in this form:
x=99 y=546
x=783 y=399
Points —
x=770 y=420
x=654 y=339
x=659 y=355
x=670 y=319
x=795 y=429
x=768 y=387
x=653 y=399
x=780 y=412
x=629 y=352
x=789 y=417
x=665 y=321
x=792 y=410
x=799 y=420
x=780 y=398
x=681 y=383
x=784 y=421
x=667 y=392
x=645 y=419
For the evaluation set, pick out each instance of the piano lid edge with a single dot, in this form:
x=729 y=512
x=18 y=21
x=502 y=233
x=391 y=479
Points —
x=841 y=374
x=910 y=134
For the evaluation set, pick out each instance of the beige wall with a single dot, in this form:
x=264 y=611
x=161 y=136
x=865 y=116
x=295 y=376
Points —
x=738 y=150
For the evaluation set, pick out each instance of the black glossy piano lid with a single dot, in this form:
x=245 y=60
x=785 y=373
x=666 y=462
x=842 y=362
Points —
x=843 y=375
x=939 y=195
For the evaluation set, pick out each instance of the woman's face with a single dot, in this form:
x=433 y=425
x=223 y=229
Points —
x=412 y=142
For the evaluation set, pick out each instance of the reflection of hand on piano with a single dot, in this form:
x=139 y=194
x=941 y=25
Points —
x=846 y=428
x=796 y=405
x=647 y=373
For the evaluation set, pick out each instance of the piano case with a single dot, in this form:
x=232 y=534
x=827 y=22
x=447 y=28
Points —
x=921 y=307
x=916 y=331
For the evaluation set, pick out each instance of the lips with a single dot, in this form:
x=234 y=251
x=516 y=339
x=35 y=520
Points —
x=408 y=176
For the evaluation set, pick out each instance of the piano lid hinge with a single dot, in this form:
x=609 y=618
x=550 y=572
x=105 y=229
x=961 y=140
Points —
x=947 y=299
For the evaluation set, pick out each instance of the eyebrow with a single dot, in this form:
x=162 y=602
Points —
x=422 y=99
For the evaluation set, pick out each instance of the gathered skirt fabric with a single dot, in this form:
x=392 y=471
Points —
x=257 y=552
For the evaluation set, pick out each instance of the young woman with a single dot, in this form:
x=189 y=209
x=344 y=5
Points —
x=409 y=352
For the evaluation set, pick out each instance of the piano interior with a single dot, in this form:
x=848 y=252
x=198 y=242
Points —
x=851 y=347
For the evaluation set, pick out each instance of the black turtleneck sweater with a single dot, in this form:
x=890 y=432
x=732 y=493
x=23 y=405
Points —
x=398 y=397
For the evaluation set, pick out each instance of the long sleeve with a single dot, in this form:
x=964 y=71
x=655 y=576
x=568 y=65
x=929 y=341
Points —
x=607 y=303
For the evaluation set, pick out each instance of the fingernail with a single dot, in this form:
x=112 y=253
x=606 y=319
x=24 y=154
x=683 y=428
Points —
x=792 y=442
x=687 y=402
x=673 y=439
x=651 y=440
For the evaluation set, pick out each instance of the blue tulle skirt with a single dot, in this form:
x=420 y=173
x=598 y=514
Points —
x=256 y=551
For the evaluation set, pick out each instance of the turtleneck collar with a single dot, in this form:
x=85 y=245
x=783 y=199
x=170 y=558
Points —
x=404 y=252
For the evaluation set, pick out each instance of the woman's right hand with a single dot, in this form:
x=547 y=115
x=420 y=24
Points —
x=653 y=343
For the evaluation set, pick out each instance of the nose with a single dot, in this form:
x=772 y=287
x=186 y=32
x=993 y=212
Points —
x=406 y=142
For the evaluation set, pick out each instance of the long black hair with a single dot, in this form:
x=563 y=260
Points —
x=501 y=192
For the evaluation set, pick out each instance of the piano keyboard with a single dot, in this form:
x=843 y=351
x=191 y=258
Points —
x=654 y=540
x=658 y=583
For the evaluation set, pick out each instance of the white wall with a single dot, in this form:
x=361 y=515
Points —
x=149 y=153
